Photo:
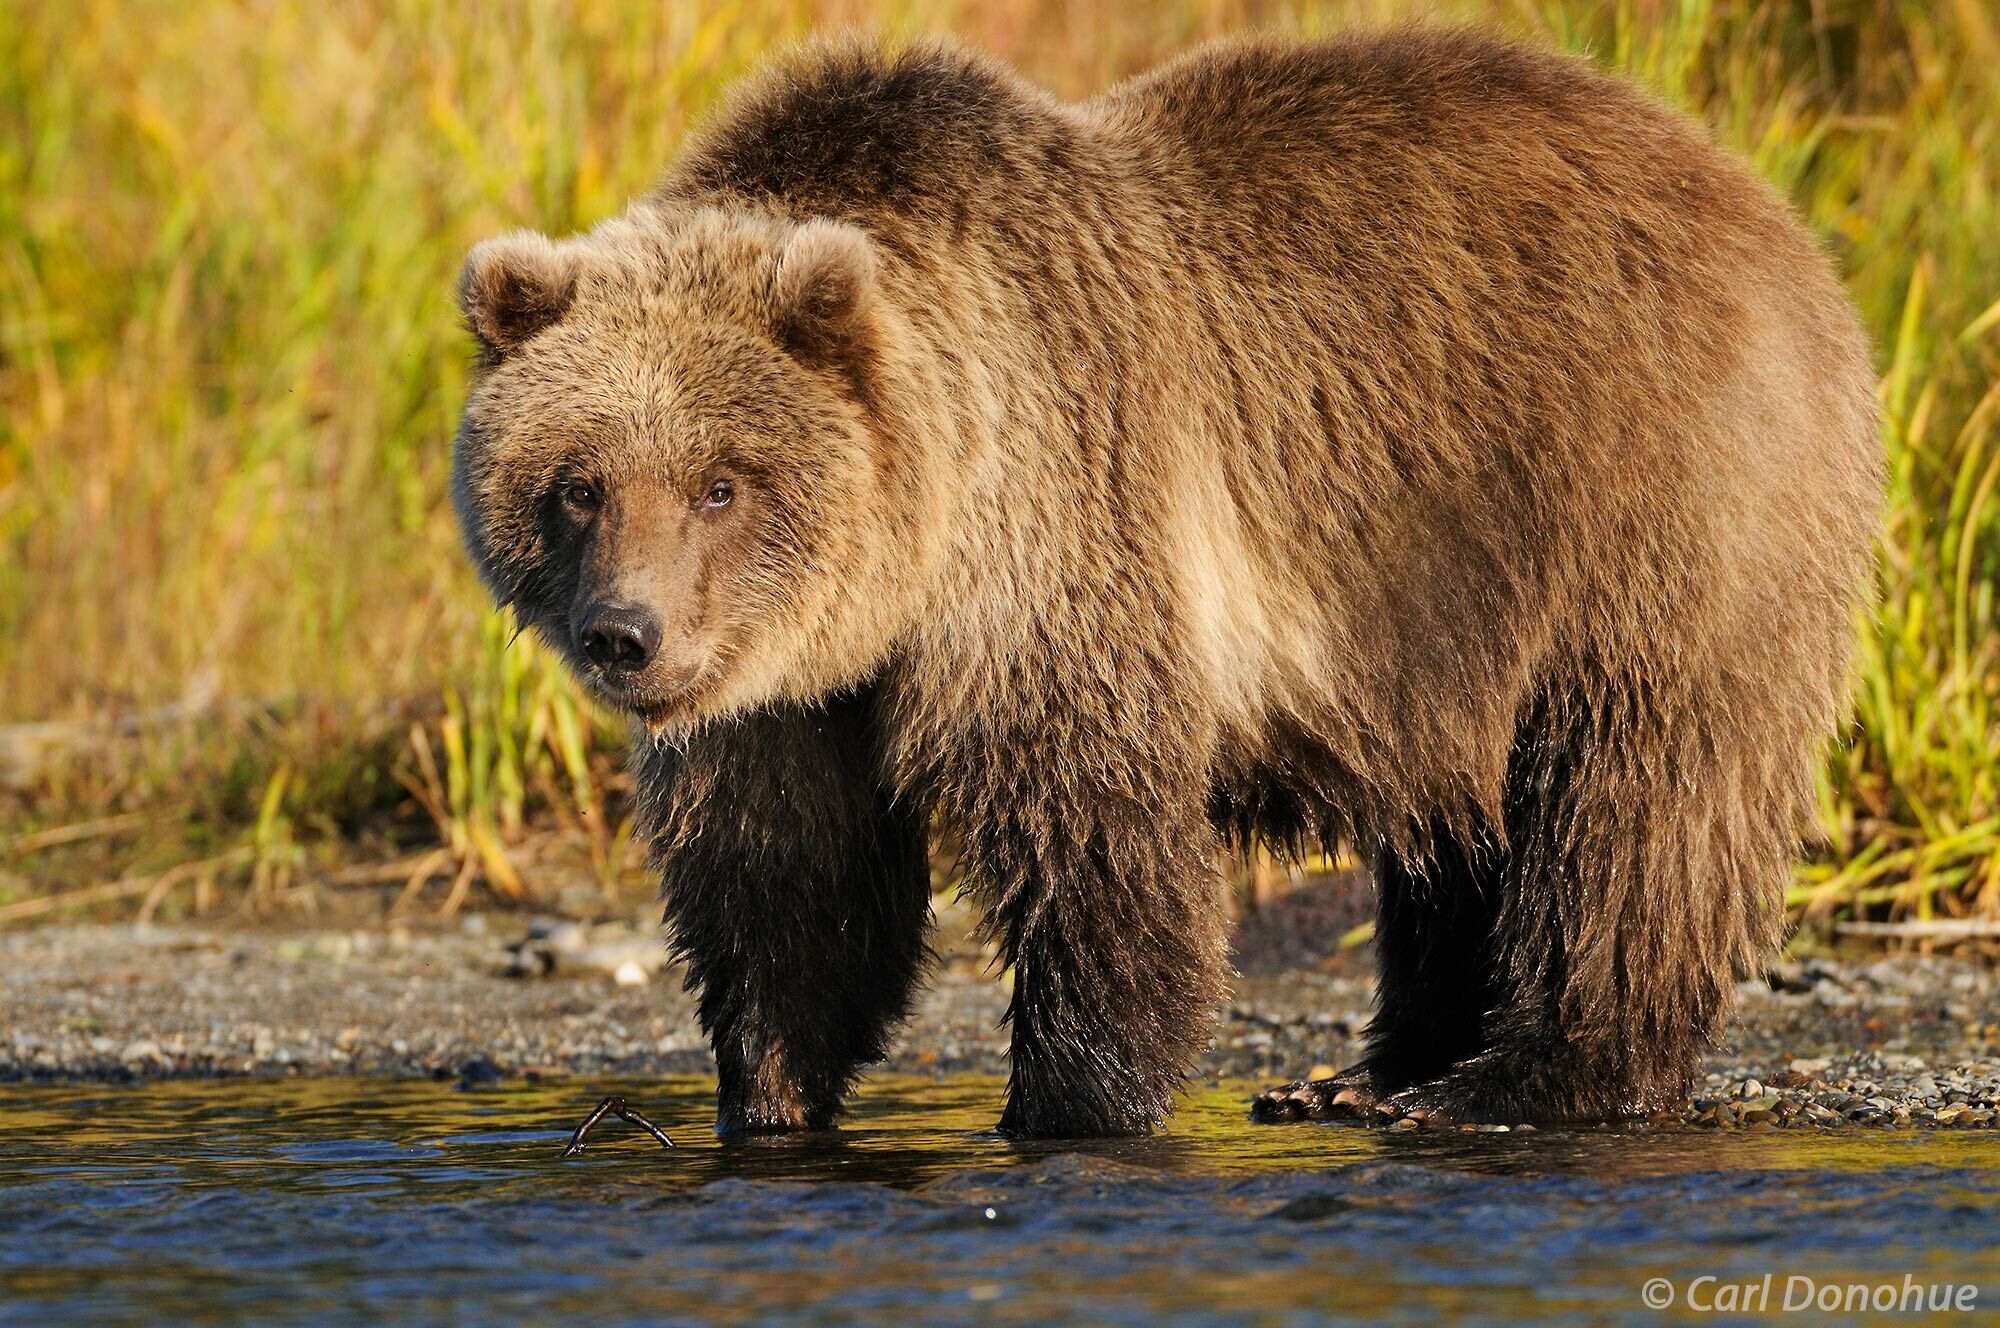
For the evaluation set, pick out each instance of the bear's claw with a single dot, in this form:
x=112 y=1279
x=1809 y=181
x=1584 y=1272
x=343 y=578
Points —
x=1411 y=1105
x=1343 y=1097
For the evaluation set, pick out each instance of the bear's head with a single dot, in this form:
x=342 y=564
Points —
x=672 y=464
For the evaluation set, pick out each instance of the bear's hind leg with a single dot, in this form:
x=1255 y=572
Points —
x=1434 y=924
x=797 y=890
x=1648 y=841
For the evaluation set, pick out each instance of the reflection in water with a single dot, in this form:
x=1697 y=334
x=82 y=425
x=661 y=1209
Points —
x=360 y=1200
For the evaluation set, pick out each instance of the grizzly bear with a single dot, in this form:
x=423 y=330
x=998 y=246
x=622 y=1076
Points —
x=1411 y=441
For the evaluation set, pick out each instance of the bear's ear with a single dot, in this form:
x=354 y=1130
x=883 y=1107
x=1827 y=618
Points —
x=820 y=293
x=513 y=287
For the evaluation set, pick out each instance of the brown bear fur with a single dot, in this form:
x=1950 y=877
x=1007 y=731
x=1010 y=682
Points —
x=1405 y=438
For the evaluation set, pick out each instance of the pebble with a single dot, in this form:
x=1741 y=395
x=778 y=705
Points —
x=142 y=1049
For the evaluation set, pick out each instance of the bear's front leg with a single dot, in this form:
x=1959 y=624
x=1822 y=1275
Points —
x=798 y=893
x=1108 y=911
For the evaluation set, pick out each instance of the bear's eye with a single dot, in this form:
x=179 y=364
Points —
x=579 y=496
x=719 y=494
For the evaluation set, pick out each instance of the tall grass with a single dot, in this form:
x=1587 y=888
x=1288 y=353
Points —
x=230 y=368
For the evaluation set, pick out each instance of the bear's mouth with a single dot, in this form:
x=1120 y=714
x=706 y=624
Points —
x=657 y=705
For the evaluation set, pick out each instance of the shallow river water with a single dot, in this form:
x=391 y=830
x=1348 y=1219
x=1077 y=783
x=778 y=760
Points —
x=367 y=1200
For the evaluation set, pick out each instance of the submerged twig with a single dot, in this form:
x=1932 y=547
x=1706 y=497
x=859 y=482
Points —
x=614 y=1106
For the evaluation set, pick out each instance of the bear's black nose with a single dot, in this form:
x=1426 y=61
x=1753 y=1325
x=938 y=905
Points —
x=618 y=638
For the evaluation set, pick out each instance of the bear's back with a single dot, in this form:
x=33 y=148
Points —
x=1439 y=140
x=1414 y=86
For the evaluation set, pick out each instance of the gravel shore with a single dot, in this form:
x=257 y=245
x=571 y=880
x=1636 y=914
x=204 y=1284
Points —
x=1909 y=1042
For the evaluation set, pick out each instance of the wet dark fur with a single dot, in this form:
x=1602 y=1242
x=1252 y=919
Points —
x=1404 y=438
x=797 y=893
